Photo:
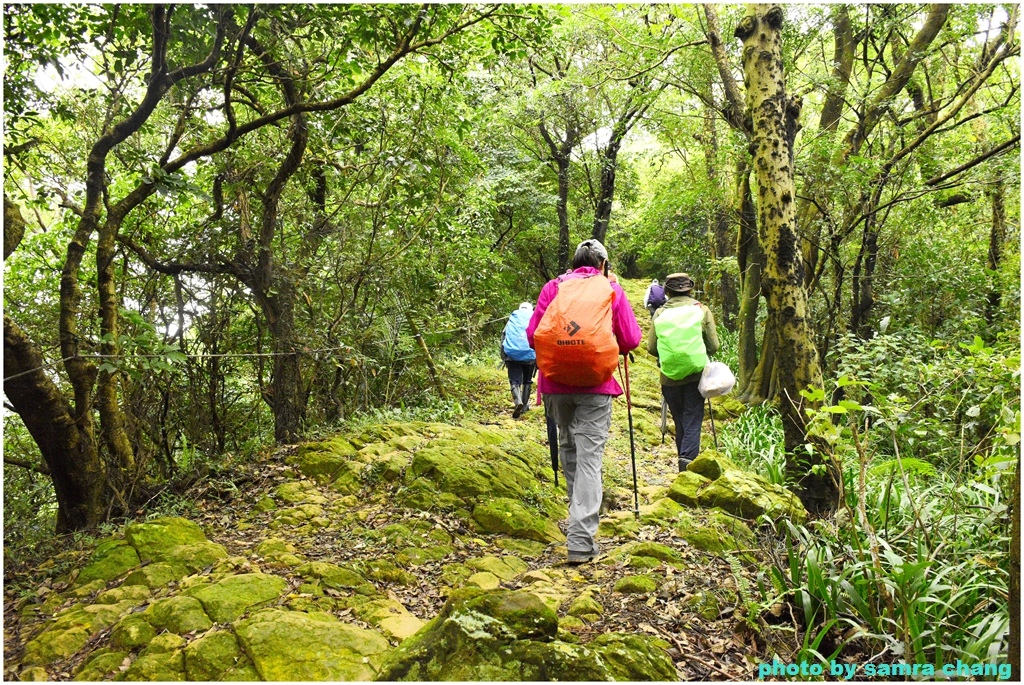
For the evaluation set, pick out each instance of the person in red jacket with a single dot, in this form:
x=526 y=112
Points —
x=584 y=414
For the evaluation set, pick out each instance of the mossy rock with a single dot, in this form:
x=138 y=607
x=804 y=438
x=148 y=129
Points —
x=323 y=461
x=509 y=517
x=522 y=548
x=33 y=674
x=208 y=657
x=749 y=496
x=55 y=601
x=271 y=545
x=417 y=556
x=131 y=631
x=153 y=539
x=640 y=562
x=642 y=584
x=504 y=635
x=420 y=494
x=455 y=574
x=297 y=515
x=299 y=492
x=618 y=524
x=505 y=568
x=197 y=556
x=484 y=580
x=101 y=665
x=125 y=593
x=664 y=512
x=70 y=631
x=585 y=604
x=385 y=571
x=228 y=599
x=164 y=643
x=657 y=551
x=711 y=464
x=156 y=575
x=332 y=575
x=266 y=503
x=112 y=559
x=686 y=488
x=178 y=614
x=727 y=407
x=393 y=619
x=161 y=667
x=289 y=645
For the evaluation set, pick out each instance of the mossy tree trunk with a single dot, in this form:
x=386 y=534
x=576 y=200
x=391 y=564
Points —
x=774 y=116
x=723 y=243
x=749 y=259
x=996 y=240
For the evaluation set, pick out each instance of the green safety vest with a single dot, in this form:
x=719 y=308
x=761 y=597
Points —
x=681 y=341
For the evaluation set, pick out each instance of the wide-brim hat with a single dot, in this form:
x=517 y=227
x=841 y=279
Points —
x=679 y=283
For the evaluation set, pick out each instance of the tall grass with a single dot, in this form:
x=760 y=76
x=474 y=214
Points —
x=755 y=442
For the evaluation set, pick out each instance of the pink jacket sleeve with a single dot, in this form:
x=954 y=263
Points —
x=627 y=330
x=547 y=293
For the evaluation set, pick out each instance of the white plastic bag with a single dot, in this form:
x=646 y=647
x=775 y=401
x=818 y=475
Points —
x=716 y=380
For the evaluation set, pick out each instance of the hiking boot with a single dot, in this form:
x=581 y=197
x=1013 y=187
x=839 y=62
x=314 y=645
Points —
x=683 y=463
x=576 y=558
x=517 y=397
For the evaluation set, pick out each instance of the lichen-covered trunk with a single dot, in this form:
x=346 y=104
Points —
x=606 y=192
x=774 y=117
x=996 y=239
x=66 y=444
x=563 y=213
x=112 y=431
x=748 y=254
x=287 y=399
x=719 y=234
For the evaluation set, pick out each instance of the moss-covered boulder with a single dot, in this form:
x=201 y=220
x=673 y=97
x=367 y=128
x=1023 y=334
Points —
x=159 y=667
x=686 y=488
x=290 y=645
x=124 y=593
x=335 y=577
x=70 y=631
x=102 y=664
x=210 y=656
x=526 y=549
x=663 y=512
x=749 y=496
x=618 y=524
x=727 y=407
x=417 y=556
x=111 y=559
x=300 y=492
x=153 y=539
x=505 y=635
x=384 y=570
x=324 y=461
x=484 y=580
x=130 y=632
x=164 y=643
x=641 y=585
x=505 y=568
x=721 y=535
x=196 y=556
x=509 y=517
x=178 y=614
x=156 y=575
x=231 y=597
x=585 y=604
x=393 y=619
x=711 y=464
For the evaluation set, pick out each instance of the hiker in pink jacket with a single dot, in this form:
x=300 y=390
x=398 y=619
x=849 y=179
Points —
x=584 y=414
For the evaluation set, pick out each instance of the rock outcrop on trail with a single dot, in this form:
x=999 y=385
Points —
x=416 y=551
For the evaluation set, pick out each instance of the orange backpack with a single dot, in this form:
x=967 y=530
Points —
x=574 y=340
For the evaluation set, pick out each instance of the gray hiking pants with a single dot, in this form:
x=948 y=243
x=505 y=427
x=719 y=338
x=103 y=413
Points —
x=583 y=423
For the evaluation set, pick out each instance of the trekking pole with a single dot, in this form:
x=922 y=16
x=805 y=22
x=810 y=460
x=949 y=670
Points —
x=714 y=434
x=632 y=442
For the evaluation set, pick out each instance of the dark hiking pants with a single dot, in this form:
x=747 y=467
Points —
x=687 y=407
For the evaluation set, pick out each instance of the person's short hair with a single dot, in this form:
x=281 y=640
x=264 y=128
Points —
x=589 y=253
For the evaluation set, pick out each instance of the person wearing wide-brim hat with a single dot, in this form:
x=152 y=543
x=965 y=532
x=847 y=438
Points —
x=681 y=394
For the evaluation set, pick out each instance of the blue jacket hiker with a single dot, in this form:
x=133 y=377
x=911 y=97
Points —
x=519 y=357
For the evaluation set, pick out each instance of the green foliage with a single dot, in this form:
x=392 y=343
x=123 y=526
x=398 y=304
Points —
x=755 y=442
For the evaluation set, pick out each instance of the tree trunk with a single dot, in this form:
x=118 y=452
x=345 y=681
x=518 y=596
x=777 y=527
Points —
x=996 y=239
x=774 y=118
x=749 y=257
x=863 y=281
x=722 y=243
x=563 y=212
x=603 y=206
x=67 y=445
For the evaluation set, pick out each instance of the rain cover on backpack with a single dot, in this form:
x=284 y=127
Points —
x=517 y=347
x=574 y=340
x=680 y=341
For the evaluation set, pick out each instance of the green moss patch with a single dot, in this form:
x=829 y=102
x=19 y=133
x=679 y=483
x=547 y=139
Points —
x=111 y=559
x=228 y=599
x=180 y=614
x=210 y=656
x=686 y=488
x=153 y=539
x=509 y=517
x=643 y=584
x=289 y=645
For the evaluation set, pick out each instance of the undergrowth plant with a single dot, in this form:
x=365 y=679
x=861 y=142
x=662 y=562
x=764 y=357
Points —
x=914 y=567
